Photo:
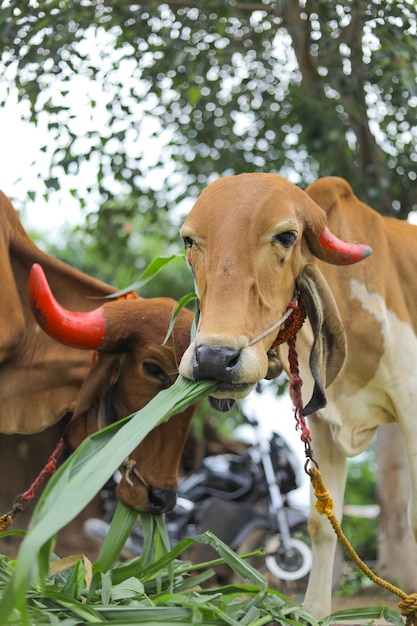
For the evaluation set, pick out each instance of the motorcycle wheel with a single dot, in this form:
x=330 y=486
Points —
x=269 y=543
x=293 y=566
x=296 y=587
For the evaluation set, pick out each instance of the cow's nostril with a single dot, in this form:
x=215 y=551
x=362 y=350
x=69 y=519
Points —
x=233 y=362
x=161 y=500
x=216 y=363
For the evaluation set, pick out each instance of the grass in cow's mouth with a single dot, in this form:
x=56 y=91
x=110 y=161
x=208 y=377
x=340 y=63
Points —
x=156 y=588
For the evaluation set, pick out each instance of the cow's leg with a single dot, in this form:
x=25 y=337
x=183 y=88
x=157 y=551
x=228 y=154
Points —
x=332 y=464
x=407 y=427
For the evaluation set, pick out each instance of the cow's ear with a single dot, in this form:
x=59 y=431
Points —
x=93 y=408
x=328 y=351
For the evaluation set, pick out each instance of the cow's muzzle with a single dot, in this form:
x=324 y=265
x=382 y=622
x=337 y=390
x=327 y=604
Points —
x=146 y=499
x=222 y=364
x=161 y=500
x=137 y=493
x=216 y=363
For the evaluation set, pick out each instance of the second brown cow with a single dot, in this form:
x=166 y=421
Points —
x=42 y=379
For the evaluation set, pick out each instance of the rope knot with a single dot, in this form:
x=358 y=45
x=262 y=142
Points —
x=408 y=608
x=324 y=502
x=130 y=467
x=293 y=323
x=6 y=521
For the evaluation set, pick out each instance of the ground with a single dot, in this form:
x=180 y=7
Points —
x=369 y=597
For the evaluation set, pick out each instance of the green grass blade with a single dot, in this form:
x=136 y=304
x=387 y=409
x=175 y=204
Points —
x=121 y=526
x=162 y=547
x=145 y=615
x=368 y=613
x=181 y=304
x=58 y=599
x=147 y=570
x=242 y=568
x=149 y=273
x=148 y=526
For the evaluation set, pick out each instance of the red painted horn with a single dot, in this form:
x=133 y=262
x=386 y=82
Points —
x=338 y=252
x=85 y=330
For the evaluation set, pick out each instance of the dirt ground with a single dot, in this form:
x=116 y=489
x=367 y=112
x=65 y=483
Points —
x=366 y=598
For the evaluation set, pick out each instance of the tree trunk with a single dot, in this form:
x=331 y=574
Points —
x=397 y=551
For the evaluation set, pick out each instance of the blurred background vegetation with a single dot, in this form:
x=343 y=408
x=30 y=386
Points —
x=175 y=94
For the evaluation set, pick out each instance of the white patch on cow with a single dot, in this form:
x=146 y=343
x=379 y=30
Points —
x=391 y=395
x=371 y=302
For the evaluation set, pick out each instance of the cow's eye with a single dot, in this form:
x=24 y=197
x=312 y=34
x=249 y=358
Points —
x=188 y=242
x=152 y=369
x=287 y=239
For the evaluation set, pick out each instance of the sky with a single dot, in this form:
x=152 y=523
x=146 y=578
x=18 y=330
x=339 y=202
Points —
x=21 y=158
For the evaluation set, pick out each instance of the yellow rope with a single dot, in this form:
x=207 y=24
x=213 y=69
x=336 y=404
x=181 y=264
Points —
x=6 y=521
x=324 y=505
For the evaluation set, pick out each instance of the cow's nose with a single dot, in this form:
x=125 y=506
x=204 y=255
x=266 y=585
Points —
x=216 y=363
x=161 y=500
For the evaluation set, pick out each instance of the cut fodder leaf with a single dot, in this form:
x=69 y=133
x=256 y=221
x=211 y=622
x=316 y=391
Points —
x=120 y=528
x=242 y=568
x=70 y=563
x=149 y=273
x=145 y=615
x=191 y=297
x=128 y=589
x=55 y=601
x=369 y=613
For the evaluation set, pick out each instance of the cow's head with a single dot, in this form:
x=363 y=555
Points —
x=130 y=367
x=252 y=241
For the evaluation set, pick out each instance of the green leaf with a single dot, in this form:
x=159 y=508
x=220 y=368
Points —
x=368 y=613
x=120 y=528
x=181 y=304
x=148 y=274
x=147 y=569
x=145 y=615
x=242 y=568
x=148 y=525
x=75 y=582
x=162 y=547
x=129 y=588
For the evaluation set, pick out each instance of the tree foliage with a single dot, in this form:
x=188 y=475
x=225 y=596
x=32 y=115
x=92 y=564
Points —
x=306 y=89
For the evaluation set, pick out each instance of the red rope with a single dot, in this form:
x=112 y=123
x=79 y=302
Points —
x=289 y=334
x=21 y=501
x=292 y=324
x=295 y=390
x=49 y=469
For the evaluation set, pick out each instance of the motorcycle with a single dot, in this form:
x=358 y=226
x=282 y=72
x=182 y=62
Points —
x=243 y=500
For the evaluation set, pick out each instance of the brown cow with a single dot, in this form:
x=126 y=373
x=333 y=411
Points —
x=254 y=241
x=42 y=380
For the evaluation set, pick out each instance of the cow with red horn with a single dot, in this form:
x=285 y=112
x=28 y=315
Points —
x=132 y=364
x=47 y=374
x=259 y=247
x=252 y=240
